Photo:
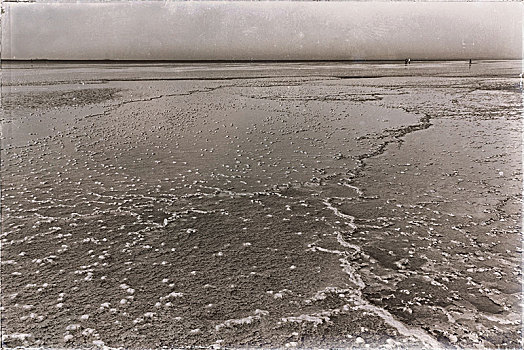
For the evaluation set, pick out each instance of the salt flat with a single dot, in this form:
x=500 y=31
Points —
x=262 y=205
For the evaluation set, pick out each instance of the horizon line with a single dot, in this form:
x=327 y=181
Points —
x=11 y=60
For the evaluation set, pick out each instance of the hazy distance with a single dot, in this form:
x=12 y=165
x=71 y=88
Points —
x=232 y=30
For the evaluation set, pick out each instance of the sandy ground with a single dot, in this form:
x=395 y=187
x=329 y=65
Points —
x=262 y=205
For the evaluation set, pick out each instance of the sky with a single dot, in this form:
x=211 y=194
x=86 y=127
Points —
x=230 y=30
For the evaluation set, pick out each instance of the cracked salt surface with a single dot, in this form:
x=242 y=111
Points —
x=303 y=210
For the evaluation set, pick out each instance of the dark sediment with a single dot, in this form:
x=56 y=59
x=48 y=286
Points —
x=285 y=211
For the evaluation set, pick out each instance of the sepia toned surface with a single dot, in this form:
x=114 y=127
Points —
x=262 y=205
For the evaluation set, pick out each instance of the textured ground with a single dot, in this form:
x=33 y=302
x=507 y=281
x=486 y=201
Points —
x=262 y=205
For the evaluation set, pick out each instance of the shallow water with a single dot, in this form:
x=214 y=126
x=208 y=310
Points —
x=265 y=205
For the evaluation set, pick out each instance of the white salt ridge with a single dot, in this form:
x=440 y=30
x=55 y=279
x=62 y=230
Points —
x=386 y=316
x=354 y=277
x=322 y=294
x=88 y=331
x=358 y=190
x=18 y=336
x=343 y=243
x=315 y=248
x=403 y=329
x=242 y=321
x=172 y=295
x=199 y=211
x=352 y=273
x=363 y=304
x=316 y=319
x=513 y=319
x=350 y=219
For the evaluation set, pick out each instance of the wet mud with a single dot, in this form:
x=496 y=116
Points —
x=263 y=205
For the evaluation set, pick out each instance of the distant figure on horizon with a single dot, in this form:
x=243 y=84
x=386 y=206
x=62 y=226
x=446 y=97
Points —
x=470 y=61
x=407 y=61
